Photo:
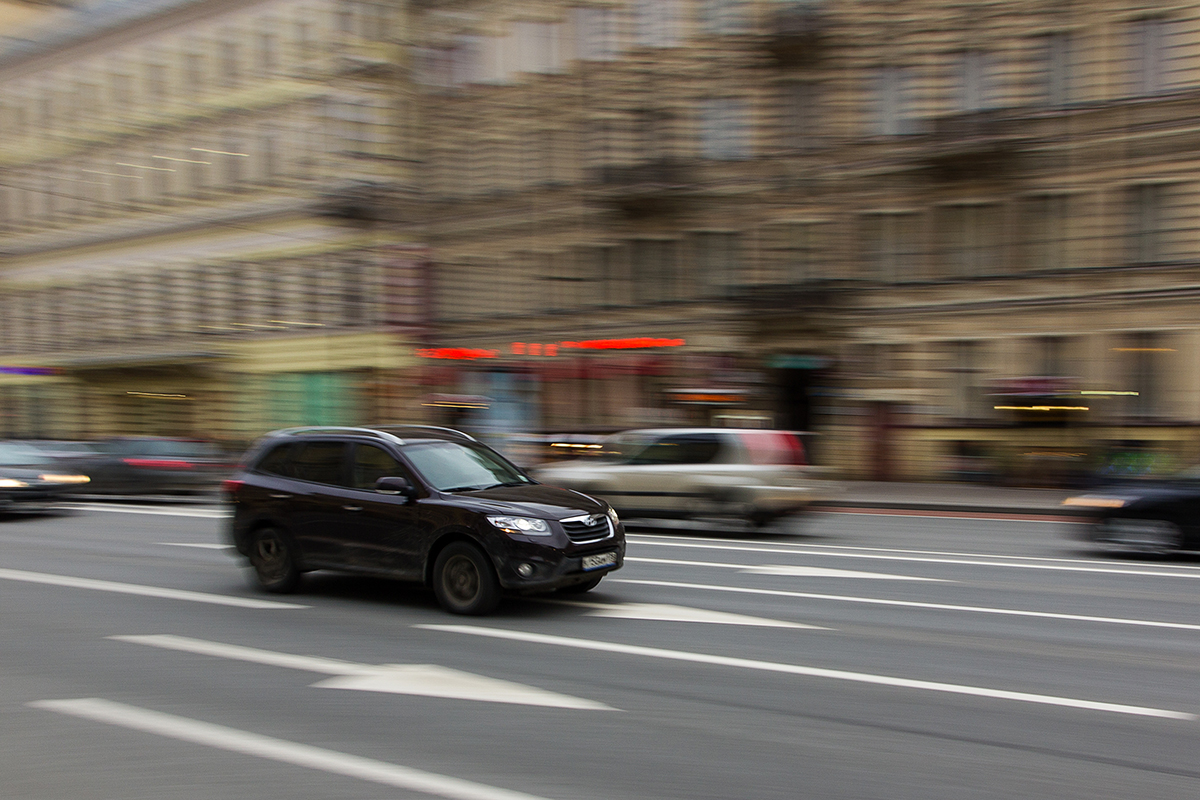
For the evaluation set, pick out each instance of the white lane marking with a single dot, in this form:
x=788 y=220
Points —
x=661 y=612
x=967 y=562
x=825 y=572
x=141 y=590
x=785 y=569
x=427 y=680
x=1185 y=626
x=203 y=545
x=208 y=546
x=754 y=546
x=282 y=750
x=203 y=513
x=812 y=672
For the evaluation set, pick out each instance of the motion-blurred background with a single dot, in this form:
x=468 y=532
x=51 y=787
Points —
x=952 y=239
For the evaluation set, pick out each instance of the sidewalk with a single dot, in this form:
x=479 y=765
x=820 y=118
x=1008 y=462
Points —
x=948 y=497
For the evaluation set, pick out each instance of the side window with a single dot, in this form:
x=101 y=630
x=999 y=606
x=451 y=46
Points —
x=320 y=462
x=275 y=462
x=697 y=448
x=372 y=463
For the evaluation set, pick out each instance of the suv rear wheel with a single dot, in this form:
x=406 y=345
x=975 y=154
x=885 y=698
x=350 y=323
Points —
x=274 y=561
x=464 y=581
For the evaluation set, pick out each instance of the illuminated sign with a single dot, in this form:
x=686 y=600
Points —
x=30 y=371
x=636 y=343
x=457 y=353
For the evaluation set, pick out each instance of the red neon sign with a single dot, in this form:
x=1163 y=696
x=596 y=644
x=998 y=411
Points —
x=457 y=353
x=635 y=343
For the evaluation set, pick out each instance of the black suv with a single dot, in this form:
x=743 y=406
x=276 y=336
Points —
x=416 y=503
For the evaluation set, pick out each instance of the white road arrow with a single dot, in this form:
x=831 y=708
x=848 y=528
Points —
x=661 y=612
x=429 y=680
x=825 y=572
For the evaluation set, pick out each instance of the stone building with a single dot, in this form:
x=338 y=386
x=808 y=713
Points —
x=199 y=219
x=951 y=237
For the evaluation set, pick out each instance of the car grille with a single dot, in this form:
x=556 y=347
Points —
x=587 y=528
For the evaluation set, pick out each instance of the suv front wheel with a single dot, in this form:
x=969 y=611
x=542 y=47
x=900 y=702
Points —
x=464 y=581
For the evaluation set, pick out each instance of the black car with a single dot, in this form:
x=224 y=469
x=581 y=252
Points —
x=415 y=503
x=1145 y=515
x=30 y=481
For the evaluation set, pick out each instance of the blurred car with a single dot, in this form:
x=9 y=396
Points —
x=415 y=503
x=1147 y=515
x=155 y=465
x=750 y=474
x=29 y=481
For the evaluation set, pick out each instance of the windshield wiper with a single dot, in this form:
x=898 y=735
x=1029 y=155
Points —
x=510 y=483
x=464 y=489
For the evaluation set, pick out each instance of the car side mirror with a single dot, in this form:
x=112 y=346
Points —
x=396 y=485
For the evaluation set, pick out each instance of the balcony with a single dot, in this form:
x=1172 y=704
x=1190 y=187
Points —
x=977 y=145
x=650 y=188
x=795 y=33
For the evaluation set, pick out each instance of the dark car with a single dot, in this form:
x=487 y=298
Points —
x=30 y=481
x=1146 y=515
x=415 y=503
x=155 y=465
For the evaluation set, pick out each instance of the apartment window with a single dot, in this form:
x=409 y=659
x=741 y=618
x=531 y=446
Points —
x=156 y=83
x=597 y=36
x=653 y=270
x=791 y=252
x=1045 y=229
x=1144 y=355
x=970 y=239
x=122 y=90
x=724 y=129
x=538 y=47
x=232 y=165
x=1148 y=42
x=1057 y=69
x=466 y=60
x=193 y=73
x=656 y=23
x=964 y=370
x=230 y=67
x=975 y=78
x=716 y=263
x=1146 y=223
x=890 y=246
x=723 y=16
x=801 y=113
x=268 y=56
x=891 y=100
x=1052 y=356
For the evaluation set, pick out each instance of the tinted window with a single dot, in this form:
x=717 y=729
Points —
x=450 y=466
x=698 y=448
x=372 y=463
x=18 y=455
x=320 y=462
x=276 y=461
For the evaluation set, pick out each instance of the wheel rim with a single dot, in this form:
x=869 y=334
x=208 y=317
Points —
x=460 y=580
x=271 y=558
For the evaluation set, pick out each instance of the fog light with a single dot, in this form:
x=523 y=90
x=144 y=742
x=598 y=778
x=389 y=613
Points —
x=525 y=570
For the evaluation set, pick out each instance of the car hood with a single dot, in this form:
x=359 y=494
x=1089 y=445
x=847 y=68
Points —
x=533 y=500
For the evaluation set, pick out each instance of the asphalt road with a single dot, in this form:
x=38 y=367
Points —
x=856 y=656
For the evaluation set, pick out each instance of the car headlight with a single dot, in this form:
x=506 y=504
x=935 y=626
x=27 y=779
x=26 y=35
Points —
x=65 y=478
x=11 y=483
x=612 y=515
x=525 y=525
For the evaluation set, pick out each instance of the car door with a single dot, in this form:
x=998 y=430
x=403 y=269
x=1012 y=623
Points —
x=317 y=493
x=380 y=531
x=661 y=480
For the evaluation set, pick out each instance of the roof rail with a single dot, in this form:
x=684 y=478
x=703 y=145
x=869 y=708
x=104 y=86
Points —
x=378 y=434
x=452 y=431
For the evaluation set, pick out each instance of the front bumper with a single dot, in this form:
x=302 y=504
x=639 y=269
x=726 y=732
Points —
x=552 y=567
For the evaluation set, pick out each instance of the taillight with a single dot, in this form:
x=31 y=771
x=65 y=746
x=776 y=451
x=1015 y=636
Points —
x=157 y=463
x=231 y=487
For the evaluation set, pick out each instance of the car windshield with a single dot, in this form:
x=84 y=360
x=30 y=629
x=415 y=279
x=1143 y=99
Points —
x=19 y=455
x=622 y=447
x=456 y=467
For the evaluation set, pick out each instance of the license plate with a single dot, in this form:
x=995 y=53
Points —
x=599 y=560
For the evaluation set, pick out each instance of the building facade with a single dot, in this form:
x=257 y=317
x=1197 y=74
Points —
x=201 y=220
x=952 y=238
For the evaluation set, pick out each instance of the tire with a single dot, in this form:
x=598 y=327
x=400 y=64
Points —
x=273 y=557
x=464 y=581
x=580 y=588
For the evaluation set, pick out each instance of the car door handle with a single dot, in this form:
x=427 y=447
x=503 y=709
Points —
x=353 y=508
x=280 y=496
